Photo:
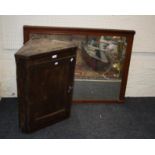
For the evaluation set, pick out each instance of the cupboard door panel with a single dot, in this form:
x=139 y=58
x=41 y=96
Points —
x=50 y=89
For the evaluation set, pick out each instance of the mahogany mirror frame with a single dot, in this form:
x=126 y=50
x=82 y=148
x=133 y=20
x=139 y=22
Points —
x=129 y=34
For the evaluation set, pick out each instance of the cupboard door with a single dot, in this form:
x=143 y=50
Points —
x=49 y=92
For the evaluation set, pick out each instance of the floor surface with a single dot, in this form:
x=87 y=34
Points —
x=134 y=119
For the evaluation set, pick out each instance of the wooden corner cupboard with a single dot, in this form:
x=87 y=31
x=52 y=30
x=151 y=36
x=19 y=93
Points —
x=45 y=72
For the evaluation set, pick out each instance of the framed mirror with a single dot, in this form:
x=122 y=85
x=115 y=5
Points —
x=102 y=61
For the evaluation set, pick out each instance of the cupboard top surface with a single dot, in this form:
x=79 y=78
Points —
x=40 y=46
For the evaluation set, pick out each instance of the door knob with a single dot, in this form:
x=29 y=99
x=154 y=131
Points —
x=56 y=63
x=69 y=89
x=71 y=59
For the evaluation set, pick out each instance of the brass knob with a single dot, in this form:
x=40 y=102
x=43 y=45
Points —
x=54 y=56
x=69 y=89
x=56 y=63
x=71 y=59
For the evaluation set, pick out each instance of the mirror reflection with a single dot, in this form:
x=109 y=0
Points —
x=99 y=65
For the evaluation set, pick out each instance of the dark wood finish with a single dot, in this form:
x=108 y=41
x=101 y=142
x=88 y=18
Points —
x=79 y=31
x=129 y=34
x=126 y=67
x=44 y=85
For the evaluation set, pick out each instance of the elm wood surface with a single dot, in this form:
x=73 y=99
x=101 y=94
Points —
x=45 y=71
x=129 y=34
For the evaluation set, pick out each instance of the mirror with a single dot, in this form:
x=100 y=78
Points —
x=99 y=63
x=102 y=61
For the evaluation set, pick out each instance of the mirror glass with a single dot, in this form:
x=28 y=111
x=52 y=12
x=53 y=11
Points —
x=99 y=65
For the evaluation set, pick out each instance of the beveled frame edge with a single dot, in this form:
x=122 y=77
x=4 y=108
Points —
x=129 y=34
